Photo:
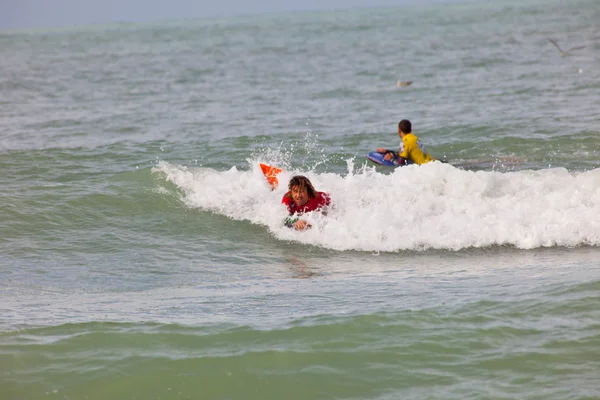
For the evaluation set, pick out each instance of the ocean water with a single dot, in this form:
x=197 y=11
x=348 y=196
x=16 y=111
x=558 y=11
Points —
x=142 y=252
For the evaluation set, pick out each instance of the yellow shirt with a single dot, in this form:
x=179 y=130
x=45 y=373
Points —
x=414 y=150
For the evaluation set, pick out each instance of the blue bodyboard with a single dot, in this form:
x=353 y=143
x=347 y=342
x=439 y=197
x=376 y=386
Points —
x=394 y=162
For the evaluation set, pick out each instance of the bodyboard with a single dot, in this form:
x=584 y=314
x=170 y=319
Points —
x=271 y=174
x=377 y=158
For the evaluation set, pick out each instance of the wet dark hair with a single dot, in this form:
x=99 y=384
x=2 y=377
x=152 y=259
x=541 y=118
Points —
x=405 y=126
x=303 y=182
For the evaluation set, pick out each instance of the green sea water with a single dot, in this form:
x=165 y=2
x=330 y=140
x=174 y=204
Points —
x=142 y=254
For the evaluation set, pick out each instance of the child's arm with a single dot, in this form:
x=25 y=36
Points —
x=384 y=150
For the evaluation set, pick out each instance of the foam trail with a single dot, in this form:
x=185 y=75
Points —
x=414 y=208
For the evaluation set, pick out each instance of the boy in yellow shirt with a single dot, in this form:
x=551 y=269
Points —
x=411 y=148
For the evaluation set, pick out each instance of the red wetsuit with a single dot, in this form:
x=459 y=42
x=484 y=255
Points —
x=319 y=201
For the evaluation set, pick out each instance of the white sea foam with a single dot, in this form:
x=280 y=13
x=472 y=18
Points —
x=415 y=207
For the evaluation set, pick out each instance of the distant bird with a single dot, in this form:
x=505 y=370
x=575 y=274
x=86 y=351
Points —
x=562 y=52
x=403 y=83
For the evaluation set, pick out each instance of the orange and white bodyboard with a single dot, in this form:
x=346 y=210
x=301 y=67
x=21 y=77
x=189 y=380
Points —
x=271 y=174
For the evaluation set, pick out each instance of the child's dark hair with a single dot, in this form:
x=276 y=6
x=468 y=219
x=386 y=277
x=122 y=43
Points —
x=405 y=126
